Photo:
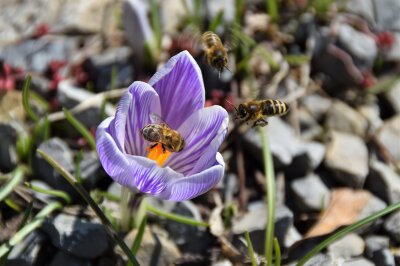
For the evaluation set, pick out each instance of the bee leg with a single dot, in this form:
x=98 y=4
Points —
x=163 y=148
x=261 y=122
x=149 y=148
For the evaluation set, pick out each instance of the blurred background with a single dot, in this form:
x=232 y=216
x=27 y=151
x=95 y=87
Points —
x=336 y=154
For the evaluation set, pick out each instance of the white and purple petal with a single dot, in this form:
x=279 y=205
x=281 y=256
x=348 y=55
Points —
x=192 y=186
x=179 y=84
x=144 y=102
x=203 y=133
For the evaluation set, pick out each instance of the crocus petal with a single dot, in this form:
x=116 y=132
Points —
x=144 y=102
x=131 y=171
x=179 y=84
x=192 y=186
x=203 y=132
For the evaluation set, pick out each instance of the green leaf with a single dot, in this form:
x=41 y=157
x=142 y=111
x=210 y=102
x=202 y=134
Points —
x=52 y=192
x=272 y=9
x=250 y=248
x=35 y=223
x=16 y=178
x=217 y=20
x=139 y=236
x=270 y=189
x=85 y=195
x=175 y=217
x=80 y=128
x=25 y=100
x=277 y=249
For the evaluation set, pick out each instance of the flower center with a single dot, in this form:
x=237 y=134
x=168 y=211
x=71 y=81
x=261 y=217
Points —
x=158 y=154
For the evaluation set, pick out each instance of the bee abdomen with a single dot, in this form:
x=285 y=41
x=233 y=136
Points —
x=275 y=107
x=209 y=39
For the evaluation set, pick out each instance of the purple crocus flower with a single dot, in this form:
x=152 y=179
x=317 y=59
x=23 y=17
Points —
x=176 y=95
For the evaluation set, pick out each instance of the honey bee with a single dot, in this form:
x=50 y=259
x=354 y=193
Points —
x=215 y=51
x=161 y=133
x=258 y=110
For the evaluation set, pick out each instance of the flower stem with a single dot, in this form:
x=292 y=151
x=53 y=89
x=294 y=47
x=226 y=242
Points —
x=250 y=248
x=270 y=189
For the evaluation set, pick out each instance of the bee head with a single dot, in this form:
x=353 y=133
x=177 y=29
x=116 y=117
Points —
x=219 y=60
x=242 y=112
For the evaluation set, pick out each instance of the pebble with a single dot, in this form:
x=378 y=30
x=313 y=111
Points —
x=343 y=118
x=26 y=252
x=384 y=182
x=388 y=135
x=392 y=226
x=358 y=262
x=8 y=150
x=377 y=250
x=189 y=238
x=255 y=221
x=60 y=152
x=346 y=247
x=317 y=200
x=393 y=97
x=137 y=26
x=361 y=46
x=91 y=171
x=65 y=259
x=155 y=248
x=347 y=157
x=100 y=67
x=77 y=236
x=317 y=105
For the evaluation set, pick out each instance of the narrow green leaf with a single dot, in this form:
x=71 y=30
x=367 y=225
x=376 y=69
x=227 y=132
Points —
x=250 y=248
x=80 y=128
x=277 y=249
x=272 y=9
x=384 y=85
x=156 y=23
x=85 y=195
x=217 y=20
x=40 y=100
x=78 y=161
x=139 y=236
x=16 y=178
x=103 y=106
x=175 y=217
x=10 y=203
x=52 y=192
x=347 y=230
x=27 y=214
x=270 y=188
x=25 y=100
x=36 y=222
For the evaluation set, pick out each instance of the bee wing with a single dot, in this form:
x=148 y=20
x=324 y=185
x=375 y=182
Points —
x=156 y=119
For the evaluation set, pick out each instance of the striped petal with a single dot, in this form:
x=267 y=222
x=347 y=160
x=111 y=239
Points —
x=192 y=186
x=203 y=132
x=179 y=84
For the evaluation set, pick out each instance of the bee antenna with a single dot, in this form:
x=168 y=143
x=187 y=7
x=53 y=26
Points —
x=228 y=69
x=231 y=104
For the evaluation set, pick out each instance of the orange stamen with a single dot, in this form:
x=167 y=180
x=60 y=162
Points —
x=157 y=154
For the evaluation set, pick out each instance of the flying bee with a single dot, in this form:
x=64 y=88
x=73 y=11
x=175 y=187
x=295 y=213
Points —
x=161 y=133
x=258 y=110
x=215 y=52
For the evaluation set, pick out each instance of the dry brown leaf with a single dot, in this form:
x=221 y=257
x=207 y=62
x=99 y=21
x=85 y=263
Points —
x=344 y=208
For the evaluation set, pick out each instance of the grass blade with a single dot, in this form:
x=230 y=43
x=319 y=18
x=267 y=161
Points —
x=25 y=100
x=175 y=217
x=80 y=128
x=272 y=9
x=270 y=188
x=277 y=250
x=13 y=205
x=52 y=192
x=139 y=236
x=250 y=248
x=36 y=222
x=216 y=21
x=85 y=195
x=347 y=230
x=16 y=178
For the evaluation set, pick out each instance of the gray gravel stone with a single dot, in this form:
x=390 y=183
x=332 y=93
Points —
x=8 y=150
x=317 y=105
x=377 y=250
x=255 y=221
x=347 y=156
x=358 y=262
x=76 y=236
x=392 y=226
x=393 y=97
x=346 y=247
x=64 y=259
x=389 y=134
x=26 y=252
x=311 y=193
x=59 y=151
x=343 y=118
x=384 y=182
